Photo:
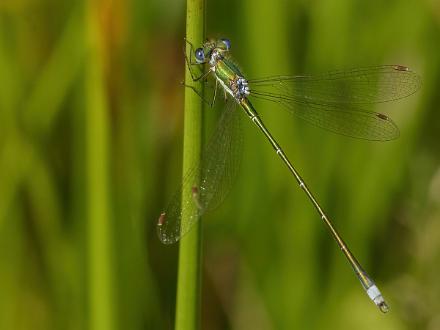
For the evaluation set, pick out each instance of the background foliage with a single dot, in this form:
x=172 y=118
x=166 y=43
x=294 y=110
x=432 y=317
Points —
x=90 y=149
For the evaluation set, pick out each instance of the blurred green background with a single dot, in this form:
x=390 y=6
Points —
x=90 y=153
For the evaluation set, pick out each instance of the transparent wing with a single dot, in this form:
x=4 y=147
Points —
x=343 y=119
x=357 y=86
x=216 y=172
x=338 y=101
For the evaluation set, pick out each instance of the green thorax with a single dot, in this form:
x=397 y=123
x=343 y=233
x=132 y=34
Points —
x=230 y=77
x=226 y=70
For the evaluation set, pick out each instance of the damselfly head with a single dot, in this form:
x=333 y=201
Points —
x=212 y=47
x=222 y=45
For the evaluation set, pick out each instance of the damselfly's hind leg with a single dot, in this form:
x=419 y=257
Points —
x=209 y=103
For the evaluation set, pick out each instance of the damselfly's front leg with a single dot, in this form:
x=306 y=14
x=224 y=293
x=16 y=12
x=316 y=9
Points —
x=190 y=63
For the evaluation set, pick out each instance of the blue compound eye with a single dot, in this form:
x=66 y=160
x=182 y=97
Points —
x=227 y=43
x=200 y=55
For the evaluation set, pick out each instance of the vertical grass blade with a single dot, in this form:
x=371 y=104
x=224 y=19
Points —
x=188 y=285
x=100 y=282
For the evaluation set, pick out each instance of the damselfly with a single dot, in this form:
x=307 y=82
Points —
x=338 y=101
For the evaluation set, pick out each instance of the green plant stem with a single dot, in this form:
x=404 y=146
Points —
x=100 y=281
x=189 y=277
